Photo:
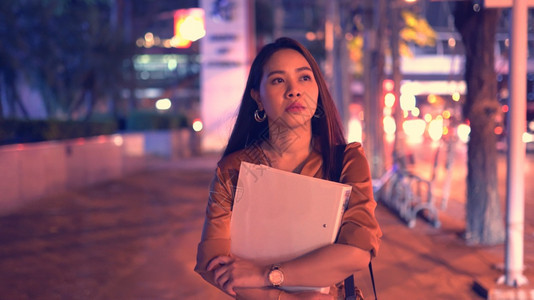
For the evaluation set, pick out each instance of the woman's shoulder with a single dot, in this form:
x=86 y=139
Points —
x=234 y=159
x=354 y=148
x=354 y=152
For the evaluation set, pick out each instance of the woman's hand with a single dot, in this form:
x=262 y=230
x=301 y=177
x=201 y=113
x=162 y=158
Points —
x=306 y=295
x=271 y=293
x=230 y=272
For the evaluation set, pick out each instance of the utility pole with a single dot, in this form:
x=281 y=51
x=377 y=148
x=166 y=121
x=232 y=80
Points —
x=515 y=178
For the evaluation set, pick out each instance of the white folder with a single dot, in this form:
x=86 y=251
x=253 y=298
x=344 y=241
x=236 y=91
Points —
x=279 y=215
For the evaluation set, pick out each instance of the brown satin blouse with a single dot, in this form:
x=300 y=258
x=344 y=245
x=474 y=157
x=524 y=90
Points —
x=359 y=227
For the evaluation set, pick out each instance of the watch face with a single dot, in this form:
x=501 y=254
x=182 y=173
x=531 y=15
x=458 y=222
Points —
x=276 y=277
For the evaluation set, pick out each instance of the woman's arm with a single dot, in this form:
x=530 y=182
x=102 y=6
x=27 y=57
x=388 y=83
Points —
x=257 y=293
x=325 y=266
x=215 y=239
x=276 y=294
x=322 y=267
x=358 y=238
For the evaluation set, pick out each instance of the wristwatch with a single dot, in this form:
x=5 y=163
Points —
x=276 y=276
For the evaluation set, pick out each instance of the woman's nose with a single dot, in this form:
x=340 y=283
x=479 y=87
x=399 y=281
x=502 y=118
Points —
x=293 y=91
x=293 y=94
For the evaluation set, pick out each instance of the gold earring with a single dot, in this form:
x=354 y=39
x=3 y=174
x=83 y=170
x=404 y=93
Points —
x=257 y=116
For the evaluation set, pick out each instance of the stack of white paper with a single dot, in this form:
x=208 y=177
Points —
x=279 y=215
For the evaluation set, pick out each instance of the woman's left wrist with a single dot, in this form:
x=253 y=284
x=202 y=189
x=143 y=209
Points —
x=275 y=276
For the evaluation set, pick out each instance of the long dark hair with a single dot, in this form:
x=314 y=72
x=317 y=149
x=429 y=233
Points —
x=326 y=128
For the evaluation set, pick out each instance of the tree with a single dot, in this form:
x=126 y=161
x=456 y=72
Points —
x=477 y=26
x=392 y=26
x=68 y=50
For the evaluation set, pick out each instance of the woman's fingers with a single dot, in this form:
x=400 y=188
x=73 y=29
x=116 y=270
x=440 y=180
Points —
x=229 y=272
x=228 y=286
x=218 y=261
x=222 y=274
x=218 y=274
x=310 y=296
x=221 y=278
x=224 y=280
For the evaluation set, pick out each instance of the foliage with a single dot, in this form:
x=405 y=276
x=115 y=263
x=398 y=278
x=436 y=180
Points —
x=148 y=120
x=13 y=131
x=416 y=30
x=25 y=131
x=355 y=46
x=69 y=50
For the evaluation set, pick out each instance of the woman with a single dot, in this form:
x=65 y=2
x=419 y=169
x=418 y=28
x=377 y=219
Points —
x=288 y=120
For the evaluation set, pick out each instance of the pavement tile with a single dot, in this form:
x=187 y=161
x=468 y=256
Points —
x=136 y=237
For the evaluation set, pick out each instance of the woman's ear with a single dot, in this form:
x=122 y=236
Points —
x=256 y=96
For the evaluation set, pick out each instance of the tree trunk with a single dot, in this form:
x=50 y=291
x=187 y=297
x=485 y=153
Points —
x=375 y=26
x=484 y=221
x=395 y=24
x=2 y=95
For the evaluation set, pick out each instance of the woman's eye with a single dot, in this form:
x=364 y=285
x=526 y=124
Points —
x=306 y=78
x=277 y=80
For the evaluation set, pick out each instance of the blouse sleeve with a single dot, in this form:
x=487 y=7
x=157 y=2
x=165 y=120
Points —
x=359 y=226
x=215 y=240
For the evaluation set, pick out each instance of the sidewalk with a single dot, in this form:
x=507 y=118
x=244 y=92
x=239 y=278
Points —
x=135 y=238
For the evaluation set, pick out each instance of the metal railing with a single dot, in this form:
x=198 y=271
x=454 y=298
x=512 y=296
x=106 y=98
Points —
x=410 y=195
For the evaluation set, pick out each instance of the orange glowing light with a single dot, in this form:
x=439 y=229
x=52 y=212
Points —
x=188 y=27
x=101 y=139
x=505 y=108
x=388 y=85
x=498 y=130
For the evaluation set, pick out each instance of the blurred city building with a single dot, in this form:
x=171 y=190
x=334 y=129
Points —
x=166 y=61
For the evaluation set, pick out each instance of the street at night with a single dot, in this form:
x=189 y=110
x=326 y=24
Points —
x=136 y=238
x=128 y=128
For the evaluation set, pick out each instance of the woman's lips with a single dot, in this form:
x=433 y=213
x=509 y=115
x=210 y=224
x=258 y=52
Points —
x=295 y=107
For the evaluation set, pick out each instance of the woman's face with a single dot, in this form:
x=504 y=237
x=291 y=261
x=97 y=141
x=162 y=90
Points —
x=288 y=90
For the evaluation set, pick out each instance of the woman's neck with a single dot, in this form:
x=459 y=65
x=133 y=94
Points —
x=288 y=146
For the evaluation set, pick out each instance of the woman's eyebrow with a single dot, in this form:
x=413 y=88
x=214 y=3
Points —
x=303 y=69
x=275 y=72
x=283 y=72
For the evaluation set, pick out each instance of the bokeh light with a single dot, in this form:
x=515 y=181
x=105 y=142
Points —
x=407 y=102
x=389 y=100
x=435 y=129
x=414 y=128
x=163 y=104
x=456 y=96
x=463 y=131
x=197 y=125
x=389 y=125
